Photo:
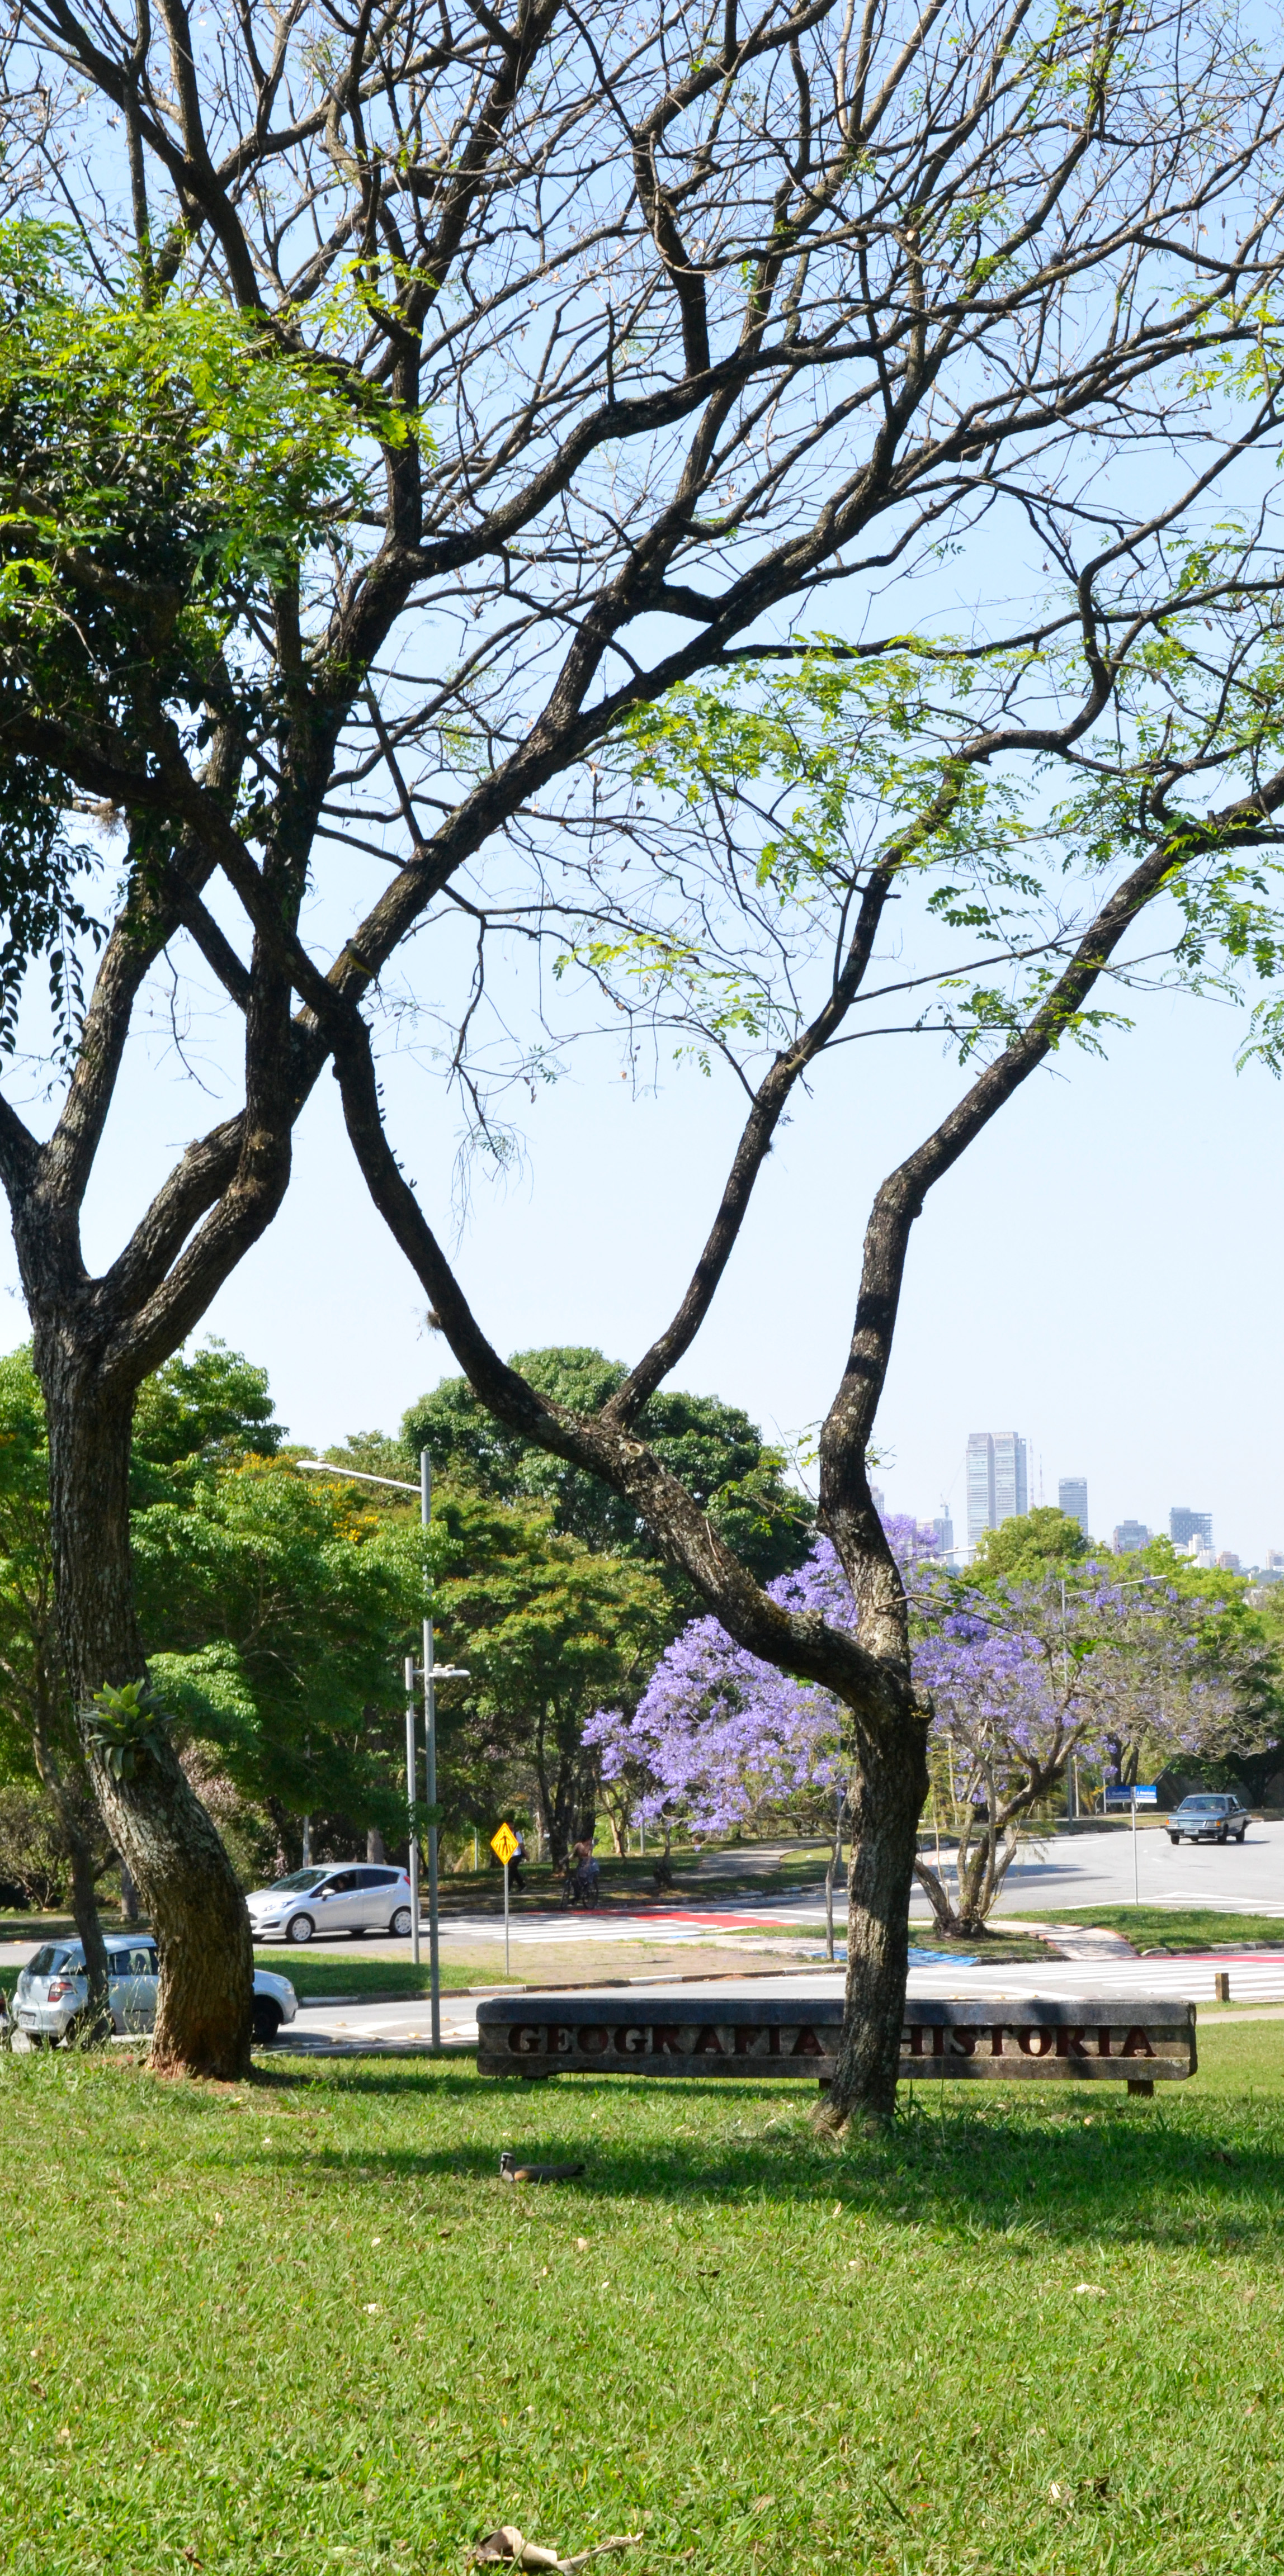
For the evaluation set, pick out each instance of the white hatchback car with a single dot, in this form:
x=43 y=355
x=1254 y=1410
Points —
x=51 y=1991
x=343 y=1896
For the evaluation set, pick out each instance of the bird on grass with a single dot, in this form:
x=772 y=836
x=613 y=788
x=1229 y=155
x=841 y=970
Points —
x=511 y=2171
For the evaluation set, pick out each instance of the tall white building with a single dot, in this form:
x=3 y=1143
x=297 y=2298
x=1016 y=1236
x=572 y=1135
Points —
x=1011 y=1477
x=1072 y=1497
x=998 y=1481
x=980 y=1485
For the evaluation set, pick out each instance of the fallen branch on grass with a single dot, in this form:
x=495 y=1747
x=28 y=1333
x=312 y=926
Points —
x=508 y=2544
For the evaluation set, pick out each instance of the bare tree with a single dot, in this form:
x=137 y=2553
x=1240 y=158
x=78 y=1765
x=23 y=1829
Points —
x=430 y=388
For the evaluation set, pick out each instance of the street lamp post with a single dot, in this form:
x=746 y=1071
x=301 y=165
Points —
x=408 y=1671
x=431 y=1672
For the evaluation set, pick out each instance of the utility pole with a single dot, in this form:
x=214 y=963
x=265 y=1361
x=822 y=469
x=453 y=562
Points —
x=432 y=1673
x=430 y=1747
x=411 y=1786
x=1072 y=1800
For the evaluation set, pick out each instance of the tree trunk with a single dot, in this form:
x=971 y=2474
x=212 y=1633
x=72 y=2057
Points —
x=128 y=1893
x=937 y=1894
x=155 y=1819
x=886 y=1798
x=568 y=1795
x=374 y=1844
x=618 y=1830
x=832 y=1867
x=84 y=1899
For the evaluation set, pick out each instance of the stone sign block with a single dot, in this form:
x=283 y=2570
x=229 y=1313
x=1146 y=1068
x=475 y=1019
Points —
x=1132 y=2039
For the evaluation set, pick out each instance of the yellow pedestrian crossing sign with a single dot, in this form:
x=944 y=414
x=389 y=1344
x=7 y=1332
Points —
x=504 y=1844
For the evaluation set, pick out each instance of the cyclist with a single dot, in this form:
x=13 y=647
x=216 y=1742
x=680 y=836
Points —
x=585 y=1874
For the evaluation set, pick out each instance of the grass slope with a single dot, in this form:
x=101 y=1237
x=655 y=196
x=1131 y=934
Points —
x=300 y=2325
x=1174 y=1927
x=373 y=1980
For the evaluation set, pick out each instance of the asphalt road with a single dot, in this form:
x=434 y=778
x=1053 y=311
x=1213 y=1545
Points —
x=1074 y=1870
x=1256 y=1978
x=1065 y=1874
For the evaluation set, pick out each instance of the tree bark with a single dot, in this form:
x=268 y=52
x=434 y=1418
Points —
x=374 y=1844
x=886 y=1800
x=832 y=1867
x=618 y=1830
x=156 y=1821
x=84 y=1899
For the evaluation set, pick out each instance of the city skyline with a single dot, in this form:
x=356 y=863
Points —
x=997 y=1469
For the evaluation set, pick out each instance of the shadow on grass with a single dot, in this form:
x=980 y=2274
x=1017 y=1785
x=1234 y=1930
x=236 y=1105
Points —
x=1199 y=2173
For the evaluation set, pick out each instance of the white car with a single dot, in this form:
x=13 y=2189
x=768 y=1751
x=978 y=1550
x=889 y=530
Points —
x=342 y=1896
x=52 y=1990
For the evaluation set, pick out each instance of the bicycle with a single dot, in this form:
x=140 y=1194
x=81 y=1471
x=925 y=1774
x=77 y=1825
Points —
x=582 y=1889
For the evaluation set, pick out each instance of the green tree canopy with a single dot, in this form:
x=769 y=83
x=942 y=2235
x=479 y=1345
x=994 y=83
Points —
x=53 y=1831
x=28 y=1649
x=204 y=1404
x=276 y=1613
x=275 y=1608
x=718 y=1452
x=1032 y=1544
x=549 y=1630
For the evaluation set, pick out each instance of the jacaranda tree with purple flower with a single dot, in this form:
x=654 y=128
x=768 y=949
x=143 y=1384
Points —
x=721 y=1741
x=1021 y=1678
x=1024 y=1678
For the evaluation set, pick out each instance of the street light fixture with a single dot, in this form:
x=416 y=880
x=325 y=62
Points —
x=430 y=1673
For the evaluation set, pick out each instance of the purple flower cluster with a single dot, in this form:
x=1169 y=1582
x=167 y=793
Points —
x=1021 y=1677
x=721 y=1740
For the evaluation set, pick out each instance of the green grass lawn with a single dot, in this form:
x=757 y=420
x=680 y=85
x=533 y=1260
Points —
x=1173 y=1927
x=300 y=2325
x=992 y=1946
x=370 y=1979
x=54 y=1927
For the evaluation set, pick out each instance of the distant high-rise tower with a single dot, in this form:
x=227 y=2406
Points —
x=980 y=1486
x=1072 y=1498
x=943 y=1532
x=1183 y=1526
x=1130 y=1537
x=1011 y=1478
x=998 y=1482
x=879 y=1500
